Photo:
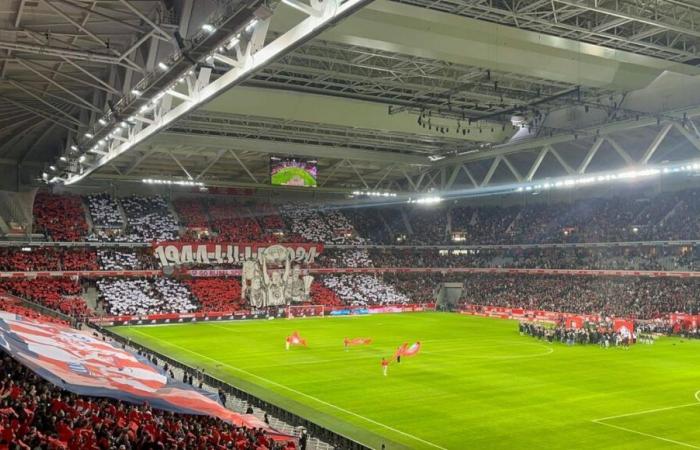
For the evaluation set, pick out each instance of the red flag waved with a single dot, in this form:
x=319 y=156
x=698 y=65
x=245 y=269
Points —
x=408 y=350
x=295 y=339
x=357 y=341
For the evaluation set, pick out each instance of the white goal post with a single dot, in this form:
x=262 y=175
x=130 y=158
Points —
x=305 y=311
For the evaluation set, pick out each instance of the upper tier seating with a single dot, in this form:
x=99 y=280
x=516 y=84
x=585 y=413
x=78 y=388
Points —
x=60 y=217
x=104 y=211
x=149 y=219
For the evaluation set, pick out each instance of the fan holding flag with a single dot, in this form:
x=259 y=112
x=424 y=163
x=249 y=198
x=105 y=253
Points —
x=294 y=339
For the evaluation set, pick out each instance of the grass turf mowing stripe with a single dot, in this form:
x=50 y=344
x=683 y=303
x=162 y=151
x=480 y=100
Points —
x=477 y=383
x=403 y=433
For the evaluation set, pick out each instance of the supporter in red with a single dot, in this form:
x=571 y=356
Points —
x=61 y=217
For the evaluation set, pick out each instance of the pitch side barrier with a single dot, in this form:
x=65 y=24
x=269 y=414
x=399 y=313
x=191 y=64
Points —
x=371 y=270
x=278 y=313
x=320 y=432
x=33 y=243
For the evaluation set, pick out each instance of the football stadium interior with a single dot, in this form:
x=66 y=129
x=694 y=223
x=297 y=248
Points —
x=349 y=224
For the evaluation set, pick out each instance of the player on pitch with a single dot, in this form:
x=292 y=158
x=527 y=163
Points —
x=385 y=366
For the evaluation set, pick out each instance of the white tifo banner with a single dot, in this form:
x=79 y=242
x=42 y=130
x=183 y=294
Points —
x=176 y=253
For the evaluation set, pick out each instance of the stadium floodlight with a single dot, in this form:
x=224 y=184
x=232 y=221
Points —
x=45 y=176
x=426 y=200
x=63 y=159
x=172 y=182
x=102 y=121
x=89 y=135
x=162 y=65
x=233 y=42
x=74 y=148
x=136 y=92
x=208 y=28
x=82 y=158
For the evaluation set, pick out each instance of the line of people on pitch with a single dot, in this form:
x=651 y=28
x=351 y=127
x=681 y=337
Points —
x=605 y=337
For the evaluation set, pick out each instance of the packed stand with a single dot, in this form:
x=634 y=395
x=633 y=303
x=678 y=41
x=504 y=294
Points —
x=144 y=296
x=149 y=219
x=191 y=213
x=642 y=298
x=104 y=211
x=429 y=225
x=32 y=259
x=363 y=290
x=60 y=217
x=313 y=225
x=216 y=294
x=235 y=223
x=59 y=294
x=122 y=259
x=35 y=414
x=15 y=307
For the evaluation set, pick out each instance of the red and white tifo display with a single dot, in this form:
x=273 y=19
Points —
x=80 y=363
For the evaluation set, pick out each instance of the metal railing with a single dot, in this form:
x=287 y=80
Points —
x=320 y=432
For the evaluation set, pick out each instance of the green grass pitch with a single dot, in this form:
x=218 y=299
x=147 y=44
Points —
x=288 y=174
x=476 y=383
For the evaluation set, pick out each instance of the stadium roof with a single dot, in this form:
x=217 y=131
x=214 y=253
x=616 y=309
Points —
x=398 y=95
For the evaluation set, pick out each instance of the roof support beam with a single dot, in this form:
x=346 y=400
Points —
x=536 y=164
x=58 y=85
x=492 y=170
x=561 y=160
x=250 y=174
x=332 y=11
x=590 y=155
x=214 y=160
x=44 y=102
x=693 y=139
x=513 y=170
x=658 y=139
x=358 y=174
x=620 y=151
x=336 y=166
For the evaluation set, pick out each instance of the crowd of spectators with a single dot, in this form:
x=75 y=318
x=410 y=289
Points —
x=59 y=294
x=216 y=294
x=35 y=414
x=149 y=219
x=364 y=290
x=312 y=224
x=60 y=217
x=104 y=211
x=31 y=259
x=192 y=213
x=126 y=259
x=636 y=297
x=132 y=296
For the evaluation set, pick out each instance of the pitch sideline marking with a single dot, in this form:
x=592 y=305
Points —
x=601 y=421
x=295 y=391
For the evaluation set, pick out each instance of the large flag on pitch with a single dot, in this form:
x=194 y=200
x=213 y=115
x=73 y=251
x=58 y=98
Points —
x=408 y=350
x=79 y=363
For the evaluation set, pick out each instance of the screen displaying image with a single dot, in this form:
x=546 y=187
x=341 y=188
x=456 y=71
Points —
x=293 y=171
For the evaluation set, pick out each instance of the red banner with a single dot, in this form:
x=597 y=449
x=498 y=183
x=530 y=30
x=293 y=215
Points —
x=177 y=253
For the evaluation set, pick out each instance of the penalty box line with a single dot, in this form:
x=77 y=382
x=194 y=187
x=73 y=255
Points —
x=296 y=392
x=602 y=421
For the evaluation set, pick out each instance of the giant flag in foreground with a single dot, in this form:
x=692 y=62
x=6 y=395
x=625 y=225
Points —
x=82 y=364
